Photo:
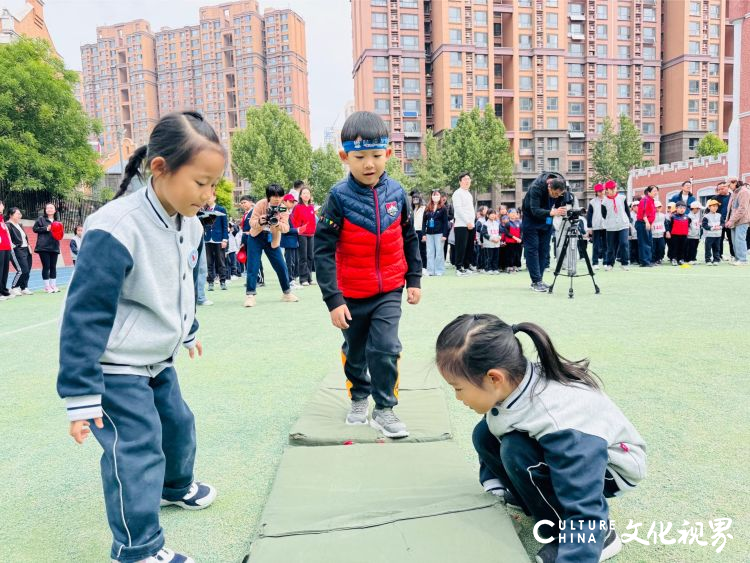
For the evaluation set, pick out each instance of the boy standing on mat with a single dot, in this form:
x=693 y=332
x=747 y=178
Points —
x=366 y=250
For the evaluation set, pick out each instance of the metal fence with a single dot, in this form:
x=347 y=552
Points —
x=71 y=211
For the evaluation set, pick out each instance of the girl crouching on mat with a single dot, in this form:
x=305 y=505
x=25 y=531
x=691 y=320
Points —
x=129 y=309
x=550 y=437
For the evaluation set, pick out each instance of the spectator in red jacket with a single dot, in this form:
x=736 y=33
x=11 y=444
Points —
x=644 y=219
x=303 y=217
x=5 y=250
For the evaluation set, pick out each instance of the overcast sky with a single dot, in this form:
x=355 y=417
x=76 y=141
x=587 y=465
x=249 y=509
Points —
x=329 y=39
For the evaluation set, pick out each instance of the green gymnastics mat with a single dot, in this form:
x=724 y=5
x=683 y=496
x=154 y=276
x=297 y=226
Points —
x=322 y=422
x=370 y=502
x=413 y=375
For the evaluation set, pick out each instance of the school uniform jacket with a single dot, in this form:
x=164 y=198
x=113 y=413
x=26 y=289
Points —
x=586 y=439
x=131 y=301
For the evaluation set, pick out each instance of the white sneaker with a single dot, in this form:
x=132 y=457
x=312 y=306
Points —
x=596 y=267
x=165 y=555
x=17 y=292
x=27 y=291
x=739 y=263
x=4 y=298
x=625 y=267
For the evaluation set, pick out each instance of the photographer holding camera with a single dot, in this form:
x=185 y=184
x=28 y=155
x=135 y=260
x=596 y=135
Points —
x=269 y=219
x=542 y=203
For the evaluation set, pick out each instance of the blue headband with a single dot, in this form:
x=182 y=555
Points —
x=366 y=145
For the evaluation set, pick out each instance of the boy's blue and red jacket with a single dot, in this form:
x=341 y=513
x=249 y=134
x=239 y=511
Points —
x=365 y=243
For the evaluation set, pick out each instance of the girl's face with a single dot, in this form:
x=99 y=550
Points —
x=191 y=186
x=2 y=207
x=49 y=209
x=514 y=216
x=493 y=216
x=305 y=196
x=16 y=217
x=481 y=399
x=79 y=231
x=436 y=198
x=611 y=192
x=713 y=208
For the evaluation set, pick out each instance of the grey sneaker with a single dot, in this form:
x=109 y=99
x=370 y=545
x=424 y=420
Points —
x=386 y=421
x=358 y=413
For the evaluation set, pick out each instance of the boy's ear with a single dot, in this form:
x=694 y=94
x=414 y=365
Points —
x=388 y=152
x=343 y=155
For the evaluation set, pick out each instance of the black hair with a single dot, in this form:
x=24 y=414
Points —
x=472 y=345
x=687 y=182
x=247 y=198
x=298 y=183
x=364 y=125
x=490 y=211
x=177 y=137
x=721 y=183
x=274 y=190
x=462 y=174
x=12 y=209
x=650 y=189
x=557 y=184
x=44 y=210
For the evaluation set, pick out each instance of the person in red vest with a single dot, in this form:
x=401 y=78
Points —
x=5 y=250
x=645 y=218
x=677 y=233
x=366 y=250
x=512 y=239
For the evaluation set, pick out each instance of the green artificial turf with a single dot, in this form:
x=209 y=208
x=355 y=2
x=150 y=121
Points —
x=669 y=343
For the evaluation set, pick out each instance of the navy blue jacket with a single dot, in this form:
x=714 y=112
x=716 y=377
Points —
x=219 y=231
x=537 y=204
x=290 y=239
x=678 y=197
x=441 y=222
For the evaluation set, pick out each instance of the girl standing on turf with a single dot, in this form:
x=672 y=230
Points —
x=130 y=306
x=47 y=247
x=550 y=436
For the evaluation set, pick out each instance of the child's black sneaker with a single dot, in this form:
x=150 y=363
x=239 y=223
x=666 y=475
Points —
x=199 y=496
x=612 y=546
x=386 y=421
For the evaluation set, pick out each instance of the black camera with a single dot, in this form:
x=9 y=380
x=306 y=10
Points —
x=574 y=215
x=207 y=218
x=274 y=211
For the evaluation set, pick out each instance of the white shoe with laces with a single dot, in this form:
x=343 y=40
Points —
x=165 y=555
x=199 y=496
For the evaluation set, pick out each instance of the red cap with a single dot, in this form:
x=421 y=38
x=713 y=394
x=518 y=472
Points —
x=610 y=185
x=599 y=188
x=57 y=230
x=289 y=197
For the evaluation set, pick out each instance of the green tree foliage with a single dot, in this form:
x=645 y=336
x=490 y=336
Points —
x=429 y=169
x=615 y=154
x=225 y=194
x=478 y=144
x=395 y=170
x=711 y=145
x=272 y=149
x=326 y=171
x=43 y=129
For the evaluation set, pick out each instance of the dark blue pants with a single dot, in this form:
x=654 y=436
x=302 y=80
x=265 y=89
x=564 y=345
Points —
x=657 y=248
x=713 y=249
x=644 y=243
x=371 y=344
x=255 y=248
x=600 y=246
x=617 y=242
x=536 y=251
x=149 y=452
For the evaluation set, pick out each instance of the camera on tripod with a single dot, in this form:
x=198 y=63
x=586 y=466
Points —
x=273 y=214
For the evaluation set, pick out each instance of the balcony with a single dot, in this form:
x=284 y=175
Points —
x=412 y=134
x=503 y=7
x=577 y=17
x=526 y=152
x=577 y=36
x=576 y=134
x=504 y=93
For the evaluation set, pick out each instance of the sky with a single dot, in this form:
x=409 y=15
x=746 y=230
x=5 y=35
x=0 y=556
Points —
x=329 y=40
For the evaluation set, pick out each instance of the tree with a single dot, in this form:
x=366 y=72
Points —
x=616 y=154
x=225 y=194
x=395 y=170
x=271 y=150
x=711 y=145
x=478 y=145
x=429 y=173
x=326 y=171
x=43 y=129
x=604 y=154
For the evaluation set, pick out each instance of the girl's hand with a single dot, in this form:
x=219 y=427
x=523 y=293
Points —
x=339 y=317
x=413 y=295
x=443 y=239
x=424 y=239
x=79 y=429
x=198 y=347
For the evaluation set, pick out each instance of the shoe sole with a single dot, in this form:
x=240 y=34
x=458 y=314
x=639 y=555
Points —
x=211 y=498
x=363 y=423
x=376 y=425
x=612 y=549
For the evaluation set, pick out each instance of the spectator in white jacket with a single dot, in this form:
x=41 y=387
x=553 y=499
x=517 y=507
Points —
x=464 y=215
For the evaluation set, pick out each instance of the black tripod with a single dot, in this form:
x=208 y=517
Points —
x=572 y=235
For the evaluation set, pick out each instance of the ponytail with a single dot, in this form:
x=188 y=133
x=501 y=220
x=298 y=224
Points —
x=556 y=367
x=132 y=169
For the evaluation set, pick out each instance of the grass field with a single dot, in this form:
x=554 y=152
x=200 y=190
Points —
x=679 y=367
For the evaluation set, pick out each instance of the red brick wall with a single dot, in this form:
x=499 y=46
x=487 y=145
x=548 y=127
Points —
x=706 y=172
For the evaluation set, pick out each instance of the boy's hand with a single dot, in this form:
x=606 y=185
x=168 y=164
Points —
x=413 y=295
x=199 y=347
x=79 y=429
x=340 y=315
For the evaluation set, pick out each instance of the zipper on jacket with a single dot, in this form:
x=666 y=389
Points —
x=377 y=238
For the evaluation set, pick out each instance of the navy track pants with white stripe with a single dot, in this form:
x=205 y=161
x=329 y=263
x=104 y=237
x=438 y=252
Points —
x=149 y=452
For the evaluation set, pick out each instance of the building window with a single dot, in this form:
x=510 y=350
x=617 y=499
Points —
x=412 y=150
x=525 y=63
x=410 y=42
x=379 y=41
x=455 y=36
x=376 y=3
x=649 y=92
x=648 y=147
x=482 y=101
x=692 y=124
x=575 y=89
x=552 y=83
x=457 y=102
x=649 y=14
x=552 y=62
x=408 y=3
x=694 y=68
x=411 y=85
x=409 y=64
x=481 y=61
x=575 y=166
x=649 y=73
x=553 y=164
x=714 y=11
x=575 y=70
x=551 y=41
x=379 y=20
x=480 y=39
x=575 y=126
x=527 y=144
x=623 y=90
x=527 y=104
x=693 y=106
x=623 y=52
x=602 y=50
x=601 y=31
x=553 y=144
x=602 y=13
x=524 y=124
x=601 y=110
x=382 y=107
x=713 y=126
x=480 y=17
x=527 y=165
x=524 y=41
x=648 y=128
x=457 y=80
x=623 y=32
x=576 y=49
x=482 y=82
x=454 y=15
x=552 y=103
x=575 y=108
x=713 y=50
x=649 y=110
x=713 y=88
x=456 y=60
x=601 y=90
x=553 y=123
x=552 y=20
x=694 y=29
x=713 y=69
x=382 y=85
x=694 y=86
x=694 y=47
x=524 y=21
x=525 y=84
x=575 y=148
x=693 y=144
x=695 y=8
x=409 y=21
x=713 y=108
x=623 y=13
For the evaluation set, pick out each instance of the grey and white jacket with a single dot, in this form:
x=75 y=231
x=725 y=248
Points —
x=131 y=302
x=615 y=220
